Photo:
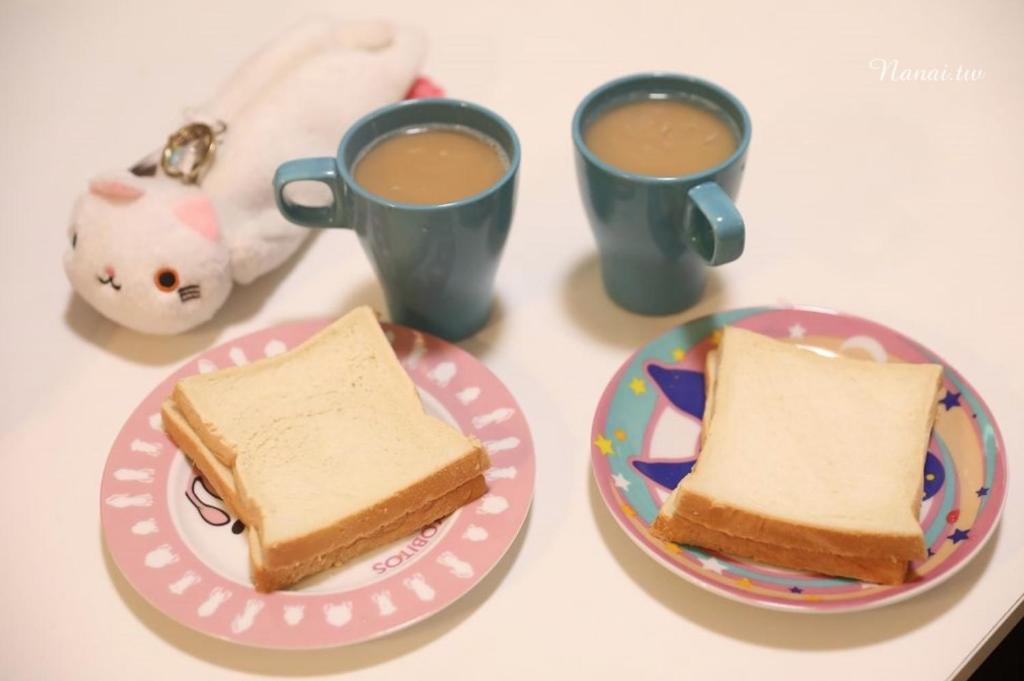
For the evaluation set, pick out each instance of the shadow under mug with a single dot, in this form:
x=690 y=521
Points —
x=656 y=235
x=436 y=262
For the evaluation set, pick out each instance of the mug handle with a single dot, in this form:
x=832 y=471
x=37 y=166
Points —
x=718 y=237
x=323 y=170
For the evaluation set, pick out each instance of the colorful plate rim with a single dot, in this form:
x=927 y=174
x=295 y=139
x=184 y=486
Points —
x=700 y=331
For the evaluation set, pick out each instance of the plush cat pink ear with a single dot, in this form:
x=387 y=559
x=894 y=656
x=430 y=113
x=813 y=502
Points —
x=198 y=214
x=116 y=190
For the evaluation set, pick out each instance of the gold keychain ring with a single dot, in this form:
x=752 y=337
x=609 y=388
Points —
x=189 y=152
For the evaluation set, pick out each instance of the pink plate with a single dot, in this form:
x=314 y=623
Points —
x=180 y=549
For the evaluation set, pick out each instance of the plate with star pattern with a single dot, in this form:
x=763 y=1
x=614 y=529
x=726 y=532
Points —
x=178 y=545
x=646 y=436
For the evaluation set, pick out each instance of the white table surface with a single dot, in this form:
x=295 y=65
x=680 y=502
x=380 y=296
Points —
x=898 y=201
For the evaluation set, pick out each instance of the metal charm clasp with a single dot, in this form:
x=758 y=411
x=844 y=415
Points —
x=189 y=152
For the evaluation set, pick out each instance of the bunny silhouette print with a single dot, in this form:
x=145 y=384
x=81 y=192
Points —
x=338 y=614
x=161 y=556
x=244 y=620
x=492 y=504
x=238 y=357
x=129 y=500
x=213 y=601
x=418 y=585
x=475 y=533
x=147 y=526
x=274 y=348
x=385 y=606
x=467 y=395
x=443 y=373
x=134 y=475
x=293 y=614
x=143 y=447
x=506 y=473
x=496 y=416
x=504 y=444
x=183 y=583
x=456 y=566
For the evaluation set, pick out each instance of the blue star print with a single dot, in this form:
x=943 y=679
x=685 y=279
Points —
x=796 y=590
x=982 y=492
x=959 y=535
x=951 y=400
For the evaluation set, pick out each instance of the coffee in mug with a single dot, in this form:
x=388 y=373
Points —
x=430 y=164
x=662 y=136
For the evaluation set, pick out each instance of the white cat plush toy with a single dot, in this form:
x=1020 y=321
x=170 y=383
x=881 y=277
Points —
x=158 y=250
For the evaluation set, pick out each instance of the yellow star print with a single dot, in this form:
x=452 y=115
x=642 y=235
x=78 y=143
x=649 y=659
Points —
x=638 y=386
x=746 y=583
x=678 y=354
x=604 y=444
x=620 y=434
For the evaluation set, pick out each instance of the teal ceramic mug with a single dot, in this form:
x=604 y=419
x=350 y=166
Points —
x=436 y=262
x=657 y=235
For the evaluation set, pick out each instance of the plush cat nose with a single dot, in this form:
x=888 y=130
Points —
x=109 y=271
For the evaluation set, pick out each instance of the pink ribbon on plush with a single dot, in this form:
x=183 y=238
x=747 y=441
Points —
x=424 y=87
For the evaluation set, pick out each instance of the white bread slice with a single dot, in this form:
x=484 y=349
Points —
x=710 y=379
x=882 y=570
x=349 y=362
x=328 y=442
x=271 y=579
x=266 y=579
x=812 y=453
x=678 y=529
